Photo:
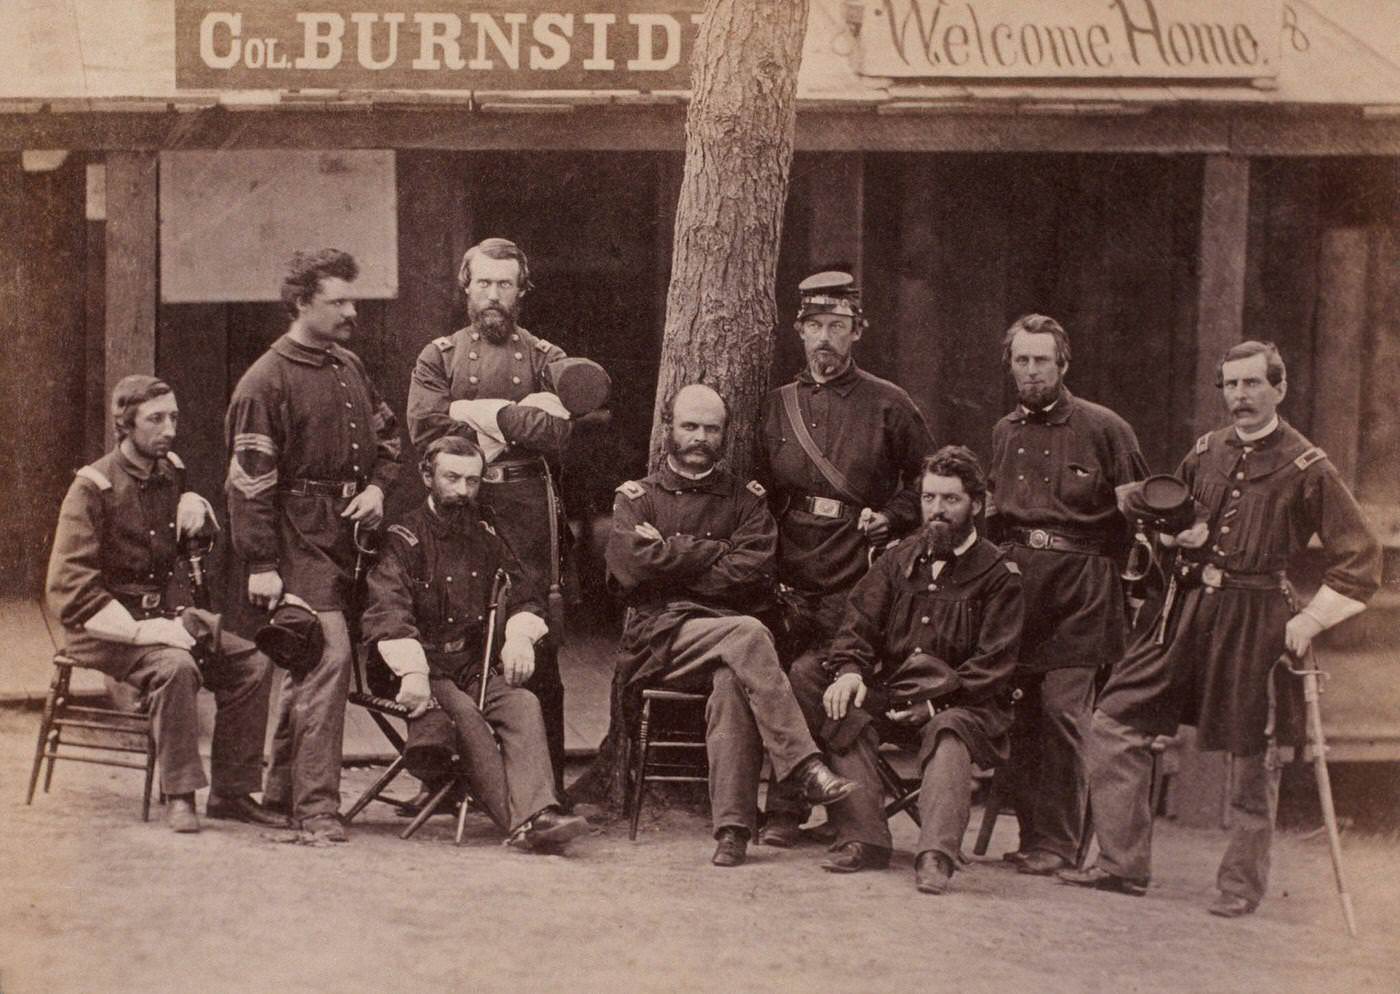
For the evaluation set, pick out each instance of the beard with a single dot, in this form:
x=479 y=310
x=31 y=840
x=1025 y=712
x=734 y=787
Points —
x=456 y=511
x=827 y=362
x=1036 y=397
x=945 y=536
x=495 y=323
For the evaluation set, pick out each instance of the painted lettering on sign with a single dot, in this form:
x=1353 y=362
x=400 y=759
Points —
x=1145 y=39
x=443 y=45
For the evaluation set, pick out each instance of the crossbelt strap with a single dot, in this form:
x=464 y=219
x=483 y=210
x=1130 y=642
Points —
x=838 y=481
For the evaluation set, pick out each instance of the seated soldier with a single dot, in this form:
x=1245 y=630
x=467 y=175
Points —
x=114 y=554
x=926 y=649
x=692 y=550
x=426 y=612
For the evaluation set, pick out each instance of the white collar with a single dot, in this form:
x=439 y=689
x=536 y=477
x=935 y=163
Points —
x=671 y=463
x=1044 y=410
x=1254 y=436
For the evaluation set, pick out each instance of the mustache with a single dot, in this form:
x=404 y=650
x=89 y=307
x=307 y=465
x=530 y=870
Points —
x=705 y=447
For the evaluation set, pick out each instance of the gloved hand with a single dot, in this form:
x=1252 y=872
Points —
x=414 y=693
x=163 y=631
x=518 y=660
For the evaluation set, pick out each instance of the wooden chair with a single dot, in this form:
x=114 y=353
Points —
x=81 y=730
x=667 y=747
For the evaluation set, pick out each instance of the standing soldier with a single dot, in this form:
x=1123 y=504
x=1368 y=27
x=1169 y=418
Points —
x=113 y=556
x=1056 y=460
x=839 y=453
x=313 y=450
x=494 y=358
x=1264 y=491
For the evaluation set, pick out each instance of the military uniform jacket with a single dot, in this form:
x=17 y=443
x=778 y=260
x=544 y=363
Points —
x=969 y=615
x=115 y=537
x=465 y=366
x=718 y=558
x=432 y=582
x=870 y=430
x=301 y=413
x=1057 y=470
x=1264 y=501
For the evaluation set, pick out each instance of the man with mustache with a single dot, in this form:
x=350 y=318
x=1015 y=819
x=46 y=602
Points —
x=1262 y=492
x=925 y=651
x=313 y=449
x=691 y=552
x=425 y=610
x=1056 y=461
x=109 y=576
x=493 y=357
x=841 y=492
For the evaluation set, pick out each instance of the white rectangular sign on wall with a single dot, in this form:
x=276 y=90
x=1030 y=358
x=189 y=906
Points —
x=229 y=221
x=1071 y=39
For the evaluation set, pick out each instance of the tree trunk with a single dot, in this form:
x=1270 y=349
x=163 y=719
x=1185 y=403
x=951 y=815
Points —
x=720 y=307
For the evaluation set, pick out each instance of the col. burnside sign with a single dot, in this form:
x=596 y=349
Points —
x=435 y=44
x=646 y=44
x=1142 y=39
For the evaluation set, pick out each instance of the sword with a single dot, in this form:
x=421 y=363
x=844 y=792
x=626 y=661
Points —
x=1307 y=668
x=499 y=582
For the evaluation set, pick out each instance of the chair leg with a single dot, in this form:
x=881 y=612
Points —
x=463 y=807
x=991 y=809
x=428 y=809
x=45 y=724
x=375 y=789
x=643 y=735
x=150 y=777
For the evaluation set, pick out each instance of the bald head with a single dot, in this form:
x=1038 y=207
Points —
x=698 y=416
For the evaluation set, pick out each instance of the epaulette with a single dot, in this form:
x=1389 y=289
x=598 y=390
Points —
x=175 y=460
x=543 y=346
x=94 y=475
x=404 y=534
x=1313 y=455
x=444 y=344
x=1203 y=443
x=1011 y=567
x=756 y=488
x=487 y=525
x=631 y=489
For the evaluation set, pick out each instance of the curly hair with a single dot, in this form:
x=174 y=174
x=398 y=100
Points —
x=306 y=270
x=959 y=461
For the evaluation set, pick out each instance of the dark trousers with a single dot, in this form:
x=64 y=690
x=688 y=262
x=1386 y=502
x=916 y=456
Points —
x=513 y=780
x=1046 y=772
x=309 y=740
x=168 y=679
x=548 y=688
x=809 y=681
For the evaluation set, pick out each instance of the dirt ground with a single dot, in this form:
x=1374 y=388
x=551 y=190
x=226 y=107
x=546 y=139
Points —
x=92 y=900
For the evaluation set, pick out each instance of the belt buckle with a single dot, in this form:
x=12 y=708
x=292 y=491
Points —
x=825 y=507
x=1212 y=576
x=149 y=602
x=1039 y=538
x=456 y=645
x=347 y=490
x=493 y=474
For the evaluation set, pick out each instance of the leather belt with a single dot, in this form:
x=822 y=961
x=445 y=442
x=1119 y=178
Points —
x=1214 y=578
x=1043 y=538
x=511 y=472
x=826 y=507
x=321 y=488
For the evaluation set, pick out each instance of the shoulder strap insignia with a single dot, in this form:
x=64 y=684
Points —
x=404 y=534
x=756 y=488
x=444 y=344
x=175 y=460
x=632 y=490
x=487 y=525
x=1011 y=567
x=542 y=345
x=1203 y=443
x=1309 y=457
x=94 y=475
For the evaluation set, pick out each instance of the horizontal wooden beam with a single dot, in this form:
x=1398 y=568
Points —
x=1181 y=130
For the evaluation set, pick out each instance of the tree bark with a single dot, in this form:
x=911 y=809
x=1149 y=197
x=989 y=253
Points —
x=720 y=306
